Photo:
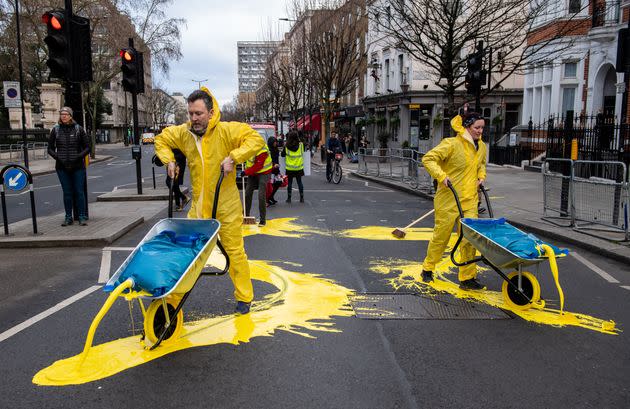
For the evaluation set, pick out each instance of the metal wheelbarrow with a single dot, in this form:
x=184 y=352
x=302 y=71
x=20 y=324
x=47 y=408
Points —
x=503 y=246
x=164 y=317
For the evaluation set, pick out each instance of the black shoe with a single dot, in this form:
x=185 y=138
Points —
x=242 y=308
x=471 y=284
x=273 y=201
x=427 y=276
x=67 y=221
x=82 y=221
x=288 y=199
x=262 y=223
x=301 y=199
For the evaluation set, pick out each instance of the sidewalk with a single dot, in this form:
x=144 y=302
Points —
x=111 y=216
x=516 y=195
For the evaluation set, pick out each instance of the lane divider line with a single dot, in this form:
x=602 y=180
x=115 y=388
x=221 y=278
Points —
x=596 y=269
x=106 y=264
x=627 y=287
x=33 y=320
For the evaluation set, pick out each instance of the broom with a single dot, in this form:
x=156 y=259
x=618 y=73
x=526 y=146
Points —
x=246 y=219
x=400 y=233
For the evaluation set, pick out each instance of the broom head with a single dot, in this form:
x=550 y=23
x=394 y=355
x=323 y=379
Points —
x=399 y=233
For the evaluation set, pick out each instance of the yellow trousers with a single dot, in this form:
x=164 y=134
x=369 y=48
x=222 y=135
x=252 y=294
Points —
x=231 y=237
x=444 y=223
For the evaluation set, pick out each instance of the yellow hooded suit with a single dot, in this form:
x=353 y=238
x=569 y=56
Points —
x=464 y=165
x=204 y=155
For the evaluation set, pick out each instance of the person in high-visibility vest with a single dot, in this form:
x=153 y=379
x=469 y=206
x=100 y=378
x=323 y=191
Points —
x=294 y=154
x=257 y=170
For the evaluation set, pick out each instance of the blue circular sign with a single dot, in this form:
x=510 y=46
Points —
x=12 y=93
x=15 y=179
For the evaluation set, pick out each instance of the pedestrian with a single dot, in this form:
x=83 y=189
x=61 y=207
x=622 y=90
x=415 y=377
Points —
x=69 y=145
x=294 y=154
x=462 y=162
x=257 y=170
x=211 y=146
x=351 y=141
x=342 y=142
x=276 y=182
x=181 y=200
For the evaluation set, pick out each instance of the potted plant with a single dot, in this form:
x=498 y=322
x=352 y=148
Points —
x=381 y=121
x=394 y=121
x=371 y=120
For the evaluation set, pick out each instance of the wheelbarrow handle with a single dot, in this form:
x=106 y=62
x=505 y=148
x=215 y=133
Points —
x=459 y=205
x=485 y=195
x=215 y=205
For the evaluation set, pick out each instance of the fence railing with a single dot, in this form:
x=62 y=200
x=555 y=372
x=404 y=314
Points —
x=404 y=165
x=590 y=196
x=15 y=151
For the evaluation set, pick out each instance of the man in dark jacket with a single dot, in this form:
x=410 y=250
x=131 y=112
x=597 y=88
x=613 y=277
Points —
x=68 y=145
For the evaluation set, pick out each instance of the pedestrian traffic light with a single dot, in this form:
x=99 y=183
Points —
x=58 y=42
x=475 y=75
x=133 y=70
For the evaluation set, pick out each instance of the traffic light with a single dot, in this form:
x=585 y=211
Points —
x=475 y=75
x=69 y=46
x=58 y=42
x=133 y=70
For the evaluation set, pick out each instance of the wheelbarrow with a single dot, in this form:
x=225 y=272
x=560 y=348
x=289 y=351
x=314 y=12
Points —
x=503 y=246
x=165 y=290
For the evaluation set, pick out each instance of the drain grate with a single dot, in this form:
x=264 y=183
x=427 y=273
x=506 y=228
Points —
x=408 y=306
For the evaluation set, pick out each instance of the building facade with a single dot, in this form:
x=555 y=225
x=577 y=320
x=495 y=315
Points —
x=252 y=60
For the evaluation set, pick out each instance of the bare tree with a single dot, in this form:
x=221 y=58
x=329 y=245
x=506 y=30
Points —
x=439 y=34
x=160 y=33
x=160 y=106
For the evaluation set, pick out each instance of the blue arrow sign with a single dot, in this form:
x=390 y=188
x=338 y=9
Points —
x=15 y=179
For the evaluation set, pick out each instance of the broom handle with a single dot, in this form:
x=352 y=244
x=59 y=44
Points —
x=243 y=188
x=419 y=219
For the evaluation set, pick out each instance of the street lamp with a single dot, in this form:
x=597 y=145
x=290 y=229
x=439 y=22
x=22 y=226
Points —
x=199 y=82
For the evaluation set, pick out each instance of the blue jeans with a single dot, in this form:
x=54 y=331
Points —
x=72 y=183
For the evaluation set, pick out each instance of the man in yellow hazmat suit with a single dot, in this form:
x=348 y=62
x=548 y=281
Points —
x=462 y=161
x=209 y=146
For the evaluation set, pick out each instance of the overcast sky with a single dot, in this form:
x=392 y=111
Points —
x=209 y=42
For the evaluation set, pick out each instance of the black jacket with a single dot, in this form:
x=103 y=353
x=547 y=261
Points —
x=68 y=145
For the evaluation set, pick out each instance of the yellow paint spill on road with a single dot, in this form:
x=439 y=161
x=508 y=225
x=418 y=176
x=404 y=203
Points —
x=404 y=274
x=283 y=227
x=385 y=233
x=303 y=304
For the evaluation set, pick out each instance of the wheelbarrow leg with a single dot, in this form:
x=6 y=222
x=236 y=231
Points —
x=168 y=320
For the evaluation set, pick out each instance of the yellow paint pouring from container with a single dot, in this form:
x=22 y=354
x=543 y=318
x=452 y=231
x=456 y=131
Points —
x=407 y=275
x=303 y=304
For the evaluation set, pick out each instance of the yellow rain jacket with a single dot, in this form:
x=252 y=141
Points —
x=204 y=155
x=464 y=165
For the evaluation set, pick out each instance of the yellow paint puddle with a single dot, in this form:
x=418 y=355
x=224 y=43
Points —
x=407 y=275
x=283 y=227
x=304 y=304
x=385 y=233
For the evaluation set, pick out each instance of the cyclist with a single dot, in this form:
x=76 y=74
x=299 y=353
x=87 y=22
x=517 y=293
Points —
x=332 y=146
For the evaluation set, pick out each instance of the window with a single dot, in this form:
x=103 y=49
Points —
x=570 y=70
x=401 y=74
x=568 y=99
x=387 y=74
x=575 y=6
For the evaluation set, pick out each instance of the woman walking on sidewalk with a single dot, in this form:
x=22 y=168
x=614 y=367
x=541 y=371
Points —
x=460 y=161
x=294 y=154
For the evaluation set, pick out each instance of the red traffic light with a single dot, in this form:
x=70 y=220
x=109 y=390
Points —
x=127 y=55
x=53 y=19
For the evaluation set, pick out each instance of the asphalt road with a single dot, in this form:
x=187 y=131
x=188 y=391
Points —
x=355 y=363
x=102 y=177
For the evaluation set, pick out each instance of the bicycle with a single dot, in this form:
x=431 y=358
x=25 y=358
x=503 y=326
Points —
x=336 y=172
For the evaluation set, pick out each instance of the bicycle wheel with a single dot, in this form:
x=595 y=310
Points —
x=338 y=172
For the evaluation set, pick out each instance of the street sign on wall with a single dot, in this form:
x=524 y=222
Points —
x=11 y=90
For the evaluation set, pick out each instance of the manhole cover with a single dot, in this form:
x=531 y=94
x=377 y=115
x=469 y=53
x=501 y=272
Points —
x=407 y=306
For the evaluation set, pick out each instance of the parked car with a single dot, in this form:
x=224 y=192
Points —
x=264 y=129
x=148 y=137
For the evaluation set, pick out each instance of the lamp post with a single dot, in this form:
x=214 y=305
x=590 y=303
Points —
x=199 y=82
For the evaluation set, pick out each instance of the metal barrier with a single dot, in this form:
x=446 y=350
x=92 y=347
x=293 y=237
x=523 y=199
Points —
x=587 y=195
x=404 y=165
x=600 y=196
x=557 y=197
x=12 y=152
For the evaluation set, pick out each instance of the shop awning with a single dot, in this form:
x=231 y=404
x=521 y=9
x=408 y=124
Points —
x=305 y=123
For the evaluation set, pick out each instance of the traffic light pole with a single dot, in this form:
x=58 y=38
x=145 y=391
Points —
x=19 y=49
x=136 y=134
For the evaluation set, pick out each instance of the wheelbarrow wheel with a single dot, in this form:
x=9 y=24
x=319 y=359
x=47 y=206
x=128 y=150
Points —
x=530 y=287
x=155 y=321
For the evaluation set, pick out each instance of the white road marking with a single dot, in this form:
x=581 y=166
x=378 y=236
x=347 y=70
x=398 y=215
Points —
x=596 y=269
x=106 y=264
x=348 y=220
x=382 y=220
x=366 y=185
x=627 y=287
x=118 y=248
x=31 y=321
x=94 y=177
x=319 y=220
x=348 y=191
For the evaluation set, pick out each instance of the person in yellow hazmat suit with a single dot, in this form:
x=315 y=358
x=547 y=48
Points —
x=462 y=161
x=209 y=146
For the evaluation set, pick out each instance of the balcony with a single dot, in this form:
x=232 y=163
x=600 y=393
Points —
x=606 y=13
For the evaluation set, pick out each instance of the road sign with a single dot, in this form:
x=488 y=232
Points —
x=15 y=179
x=12 y=94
